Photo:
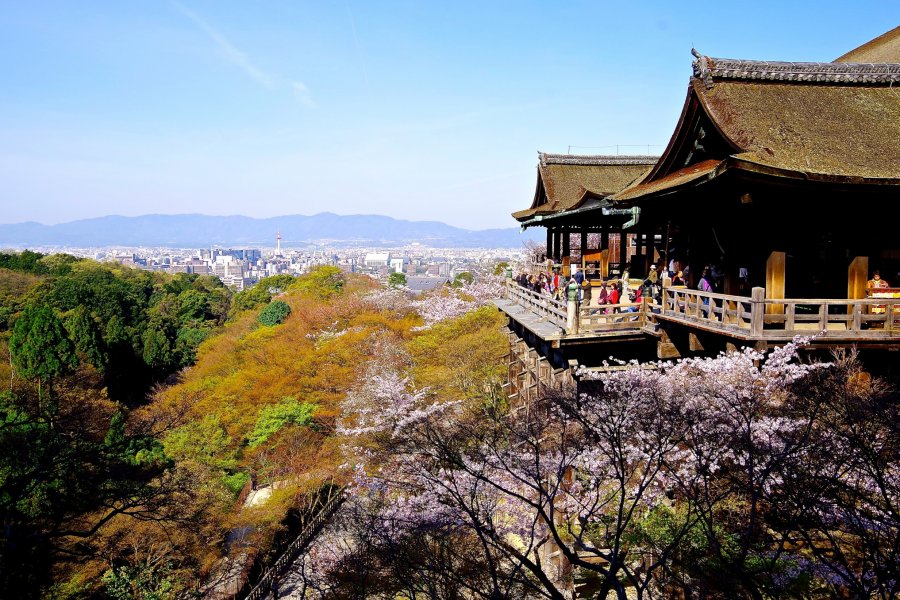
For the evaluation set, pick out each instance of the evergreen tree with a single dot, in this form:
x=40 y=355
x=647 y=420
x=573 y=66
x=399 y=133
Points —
x=40 y=348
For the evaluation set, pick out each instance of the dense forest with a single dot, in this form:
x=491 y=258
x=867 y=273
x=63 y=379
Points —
x=139 y=406
x=160 y=433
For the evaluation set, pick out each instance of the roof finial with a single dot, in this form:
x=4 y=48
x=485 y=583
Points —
x=702 y=69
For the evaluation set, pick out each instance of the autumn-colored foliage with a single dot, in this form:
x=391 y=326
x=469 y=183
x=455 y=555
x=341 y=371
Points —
x=144 y=496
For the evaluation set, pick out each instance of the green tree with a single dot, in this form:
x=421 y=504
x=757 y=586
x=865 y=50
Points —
x=288 y=411
x=158 y=352
x=192 y=305
x=322 y=282
x=25 y=261
x=85 y=334
x=396 y=280
x=40 y=348
x=261 y=293
x=500 y=268
x=462 y=278
x=276 y=312
x=59 y=264
x=141 y=582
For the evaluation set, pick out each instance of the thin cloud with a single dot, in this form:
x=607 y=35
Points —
x=231 y=53
x=359 y=53
x=301 y=93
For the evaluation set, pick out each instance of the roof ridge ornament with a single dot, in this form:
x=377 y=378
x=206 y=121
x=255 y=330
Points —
x=703 y=67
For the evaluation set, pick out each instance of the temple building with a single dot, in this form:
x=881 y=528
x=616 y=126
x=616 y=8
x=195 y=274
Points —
x=781 y=178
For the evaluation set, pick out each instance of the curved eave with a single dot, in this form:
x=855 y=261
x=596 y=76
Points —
x=693 y=103
x=691 y=176
x=588 y=206
x=752 y=166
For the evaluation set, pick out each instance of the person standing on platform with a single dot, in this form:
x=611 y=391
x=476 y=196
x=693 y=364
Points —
x=876 y=281
x=578 y=276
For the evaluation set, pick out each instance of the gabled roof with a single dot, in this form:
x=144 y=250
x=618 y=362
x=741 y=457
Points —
x=825 y=121
x=565 y=180
x=883 y=49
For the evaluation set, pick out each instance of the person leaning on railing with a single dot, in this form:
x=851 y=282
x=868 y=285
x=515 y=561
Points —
x=615 y=295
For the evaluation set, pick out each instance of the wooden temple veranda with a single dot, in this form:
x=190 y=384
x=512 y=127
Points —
x=783 y=177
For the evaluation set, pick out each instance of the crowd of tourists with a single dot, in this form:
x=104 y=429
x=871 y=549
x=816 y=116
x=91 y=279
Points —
x=621 y=294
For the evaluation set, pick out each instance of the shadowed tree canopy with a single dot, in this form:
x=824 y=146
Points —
x=40 y=347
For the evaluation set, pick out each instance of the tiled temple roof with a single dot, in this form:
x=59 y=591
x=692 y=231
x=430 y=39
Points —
x=565 y=179
x=709 y=69
x=596 y=159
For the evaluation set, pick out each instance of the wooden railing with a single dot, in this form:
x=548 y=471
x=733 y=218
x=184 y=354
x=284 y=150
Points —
x=612 y=317
x=292 y=552
x=591 y=319
x=758 y=317
x=543 y=305
x=710 y=309
x=749 y=318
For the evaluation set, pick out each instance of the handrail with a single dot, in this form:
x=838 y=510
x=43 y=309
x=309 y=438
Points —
x=759 y=317
x=549 y=308
x=753 y=317
x=290 y=554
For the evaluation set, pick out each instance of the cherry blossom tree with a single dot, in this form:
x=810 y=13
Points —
x=748 y=474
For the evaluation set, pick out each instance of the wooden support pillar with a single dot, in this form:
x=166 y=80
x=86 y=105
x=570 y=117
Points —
x=665 y=349
x=549 y=252
x=565 y=245
x=623 y=251
x=857 y=276
x=604 y=239
x=757 y=304
x=584 y=246
x=775 y=267
x=694 y=343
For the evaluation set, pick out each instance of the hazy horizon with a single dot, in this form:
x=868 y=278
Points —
x=512 y=224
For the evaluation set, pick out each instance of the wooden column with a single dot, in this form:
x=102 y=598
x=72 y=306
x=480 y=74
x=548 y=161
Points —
x=549 y=252
x=565 y=245
x=604 y=239
x=584 y=246
x=857 y=276
x=757 y=297
x=775 y=267
x=623 y=251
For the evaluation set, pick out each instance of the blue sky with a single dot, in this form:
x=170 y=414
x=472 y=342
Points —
x=417 y=110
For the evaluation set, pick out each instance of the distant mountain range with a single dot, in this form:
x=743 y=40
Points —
x=194 y=230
